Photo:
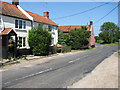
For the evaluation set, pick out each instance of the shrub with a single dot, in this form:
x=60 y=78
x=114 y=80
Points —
x=1 y=59
x=100 y=41
x=25 y=58
x=39 y=40
x=9 y=58
x=14 y=59
x=78 y=38
x=66 y=49
x=53 y=49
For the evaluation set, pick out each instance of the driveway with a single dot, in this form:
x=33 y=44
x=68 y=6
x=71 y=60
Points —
x=57 y=72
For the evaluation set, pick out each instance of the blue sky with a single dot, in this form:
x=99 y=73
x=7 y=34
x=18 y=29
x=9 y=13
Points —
x=59 y=9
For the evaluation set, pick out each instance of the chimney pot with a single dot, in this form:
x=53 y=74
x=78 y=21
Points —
x=15 y=2
x=91 y=22
x=46 y=14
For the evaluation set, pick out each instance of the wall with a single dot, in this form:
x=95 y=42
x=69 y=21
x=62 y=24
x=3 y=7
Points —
x=9 y=22
x=54 y=32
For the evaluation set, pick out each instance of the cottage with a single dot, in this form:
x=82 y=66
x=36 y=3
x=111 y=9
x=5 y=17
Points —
x=67 y=29
x=20 y=21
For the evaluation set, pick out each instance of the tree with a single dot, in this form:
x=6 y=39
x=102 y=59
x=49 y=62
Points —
x=96 y=38
x=77 y=38
x=110 y=32
x=61 y=38
x=39 y=40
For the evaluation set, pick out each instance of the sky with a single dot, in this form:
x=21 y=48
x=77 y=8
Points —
x=60 y=9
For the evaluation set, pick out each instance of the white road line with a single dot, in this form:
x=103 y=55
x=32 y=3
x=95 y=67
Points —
x=30 y=75
x=77 y=59
x=74 y=60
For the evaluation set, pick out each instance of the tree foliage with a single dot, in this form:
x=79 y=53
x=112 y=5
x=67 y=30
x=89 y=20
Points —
x=39 y=40
x=61 y=38
x=78 y=38
x=110 y=32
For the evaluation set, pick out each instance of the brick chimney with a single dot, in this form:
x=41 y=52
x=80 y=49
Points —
x=46 y=14
x=15 y=2
x=91 y=22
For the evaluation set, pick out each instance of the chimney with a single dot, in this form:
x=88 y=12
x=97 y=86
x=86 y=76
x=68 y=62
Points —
x=91 y=22
x=15 y=2
x=46 y=14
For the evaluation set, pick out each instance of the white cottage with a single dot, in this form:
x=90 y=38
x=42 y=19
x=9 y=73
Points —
x=15 y=18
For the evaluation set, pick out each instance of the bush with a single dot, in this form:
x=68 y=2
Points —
x=53 y=49
x=100 y=41
x=78 y=38
x=9 y=58
x=66 y=49
x=39 y=40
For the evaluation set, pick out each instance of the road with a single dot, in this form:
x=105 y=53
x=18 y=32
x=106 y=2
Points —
x=58 y=73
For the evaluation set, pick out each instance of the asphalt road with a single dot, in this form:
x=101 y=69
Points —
x=58 y=73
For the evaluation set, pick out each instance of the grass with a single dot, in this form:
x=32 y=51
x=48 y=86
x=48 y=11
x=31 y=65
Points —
x=115 y=44
x=82 y=49
x=1 y=59
x=87 y=49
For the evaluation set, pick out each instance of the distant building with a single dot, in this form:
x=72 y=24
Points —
x=67 y=29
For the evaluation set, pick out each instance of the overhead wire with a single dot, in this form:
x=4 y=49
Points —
x=80 y=12
x=106 y=14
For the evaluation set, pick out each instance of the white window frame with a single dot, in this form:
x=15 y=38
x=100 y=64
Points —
x=15 y=23
x=22 y=42
x=22 y=24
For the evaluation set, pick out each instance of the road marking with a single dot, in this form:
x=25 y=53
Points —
x=74 y=60
x=30 y=75
x=77 y=59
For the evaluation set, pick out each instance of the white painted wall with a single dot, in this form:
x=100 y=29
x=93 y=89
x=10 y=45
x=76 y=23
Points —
x=9 y=22
x=54 y=32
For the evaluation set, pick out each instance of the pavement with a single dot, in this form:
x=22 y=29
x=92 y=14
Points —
x=56 y=71
x=105 y=75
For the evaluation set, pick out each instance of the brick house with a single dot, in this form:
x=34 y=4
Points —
x=67 y=29
x=20 y=21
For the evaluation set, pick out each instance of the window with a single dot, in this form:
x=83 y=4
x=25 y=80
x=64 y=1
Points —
x=20 y=24
x=56 y=28
x=24 y=24
x=22 y=41
x=50 y=28
x=52 y=43
x=38 y=24
x=16 y=23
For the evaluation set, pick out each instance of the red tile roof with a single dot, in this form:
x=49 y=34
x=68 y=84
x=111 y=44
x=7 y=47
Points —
x=69 y=28
x=11 y=10
x=41 y=19
x=6 y=31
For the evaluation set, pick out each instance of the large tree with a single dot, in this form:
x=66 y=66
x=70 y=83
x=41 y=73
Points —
x=109 y=32
x=77 y=38
x=39 y=40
